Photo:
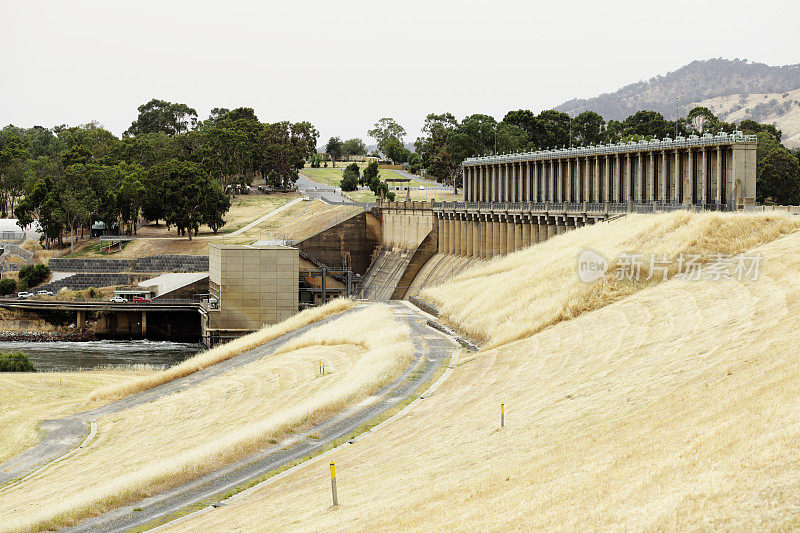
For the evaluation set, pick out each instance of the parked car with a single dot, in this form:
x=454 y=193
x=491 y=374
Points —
x=44 y=293
x=422 y=187
x=24 y=295
x=118 y=300
x=141 y=300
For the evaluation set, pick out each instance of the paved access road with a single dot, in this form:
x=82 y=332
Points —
x=432 y=349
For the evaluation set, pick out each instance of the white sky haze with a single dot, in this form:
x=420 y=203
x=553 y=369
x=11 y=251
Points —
x=343 y=65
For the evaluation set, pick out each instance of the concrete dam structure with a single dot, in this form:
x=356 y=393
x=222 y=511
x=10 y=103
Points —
x=516 y=200
x=708 y=171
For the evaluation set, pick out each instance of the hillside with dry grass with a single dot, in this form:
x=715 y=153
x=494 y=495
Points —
x=671 y=407
x=152 y=446
x=520 y=294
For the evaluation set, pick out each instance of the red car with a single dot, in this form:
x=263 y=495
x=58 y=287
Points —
x=141 y=300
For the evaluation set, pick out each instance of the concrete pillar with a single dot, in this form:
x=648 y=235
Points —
x=144 y=323
x=504 y=183
x=662 y=178
x=587 y=184
x=607 y=180
x=651 y=176
x=677 y=181
x=718 y=192
x=558 y=177
x=80 y=319
x=476 y=238
x=442 y=233
x=547 y=167
x=551 y=227
x=689 y=196
x=618 y=197
x=456 y=235
x=488 y=233
x=511 y=236
x=569 y=184
x=514 y=178
x=527 y=186
x=518 y=234
x=537 y=190
x=637 y=179
x=491 y=186
x=526 y=233
x=560 y=225
x=704 y=177
x=628 y=177
x=451 y=235
x=499 y=247
x=596 y=180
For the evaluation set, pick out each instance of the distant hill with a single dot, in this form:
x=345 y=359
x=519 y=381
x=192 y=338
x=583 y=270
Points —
x=733 y=89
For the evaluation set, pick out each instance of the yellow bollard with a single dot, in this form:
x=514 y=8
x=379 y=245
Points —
x=333 y=484
x=502 y=415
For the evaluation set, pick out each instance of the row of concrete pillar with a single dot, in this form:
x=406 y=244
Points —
x=488 y=235
x=693 y=175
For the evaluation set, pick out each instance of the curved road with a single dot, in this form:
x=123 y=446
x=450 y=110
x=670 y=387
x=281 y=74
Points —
x=432 y=349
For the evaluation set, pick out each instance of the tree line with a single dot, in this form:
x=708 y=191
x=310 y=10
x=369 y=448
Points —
x=167 y=166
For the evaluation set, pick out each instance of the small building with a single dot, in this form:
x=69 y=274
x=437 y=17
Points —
x=249 y=287
x=99 y=229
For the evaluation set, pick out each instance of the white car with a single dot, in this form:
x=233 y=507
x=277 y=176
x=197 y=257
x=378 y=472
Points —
x=422 y=187
x=44 y=293
x=24 y=294
x=118 y=300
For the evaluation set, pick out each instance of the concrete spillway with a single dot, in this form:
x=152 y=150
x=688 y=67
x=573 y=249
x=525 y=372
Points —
x=438 y=269
x=385 y=273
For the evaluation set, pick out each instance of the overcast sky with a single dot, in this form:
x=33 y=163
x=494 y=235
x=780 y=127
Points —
x=344 y=64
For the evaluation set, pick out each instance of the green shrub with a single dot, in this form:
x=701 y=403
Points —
x=349 y=180
x=7 y=286
x=15 y=362
x=33 y=275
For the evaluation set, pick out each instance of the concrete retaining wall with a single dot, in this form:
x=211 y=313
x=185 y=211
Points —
x=156 y=263
x=84 y=281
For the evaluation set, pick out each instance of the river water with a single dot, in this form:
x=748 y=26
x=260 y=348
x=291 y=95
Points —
x=62 y=355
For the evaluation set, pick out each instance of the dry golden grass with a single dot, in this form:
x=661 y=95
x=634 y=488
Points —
x=297 y=222
x=159 y=444
x=223 y=351
x=517 y=295
x=673 y=409
x=28 y=398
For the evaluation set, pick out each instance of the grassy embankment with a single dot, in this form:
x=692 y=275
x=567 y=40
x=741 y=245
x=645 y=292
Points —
x=222 y=352
x=28 y=398
x=666 y=406
x=153 y=446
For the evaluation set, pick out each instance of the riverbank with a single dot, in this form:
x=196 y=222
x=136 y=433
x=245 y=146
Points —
x=47 y=336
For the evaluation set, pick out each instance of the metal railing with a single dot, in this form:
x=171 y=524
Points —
x=643 y=146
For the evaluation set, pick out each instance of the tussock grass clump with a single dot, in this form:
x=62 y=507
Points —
x=222 y=352
x=520 y=294
x=213 y=423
